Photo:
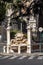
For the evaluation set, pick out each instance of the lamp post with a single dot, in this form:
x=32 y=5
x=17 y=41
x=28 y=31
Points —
x=28 y=34
x=8 y=14
x=40 y=30
x=28 y=39
x=8 y=38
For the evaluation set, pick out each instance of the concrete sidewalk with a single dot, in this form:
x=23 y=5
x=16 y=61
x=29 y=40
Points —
x=27 y=54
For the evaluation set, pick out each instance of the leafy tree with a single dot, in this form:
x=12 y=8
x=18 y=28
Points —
x=22 y=8
x=10 y=1
x=2 y=11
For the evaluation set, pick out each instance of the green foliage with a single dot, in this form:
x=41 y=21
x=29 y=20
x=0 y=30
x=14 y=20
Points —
x=13 y=32
x=16 y=1
x=2 y=11
x=36 y=9
x=10 y=1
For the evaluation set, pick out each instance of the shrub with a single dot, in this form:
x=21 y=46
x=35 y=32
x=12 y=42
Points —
x=12 y=33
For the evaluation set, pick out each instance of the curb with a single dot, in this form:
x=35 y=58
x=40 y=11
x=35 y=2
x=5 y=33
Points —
x=27 y=54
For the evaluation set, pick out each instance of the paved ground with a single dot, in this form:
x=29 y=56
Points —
x=20 y=57
x=21 y=60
